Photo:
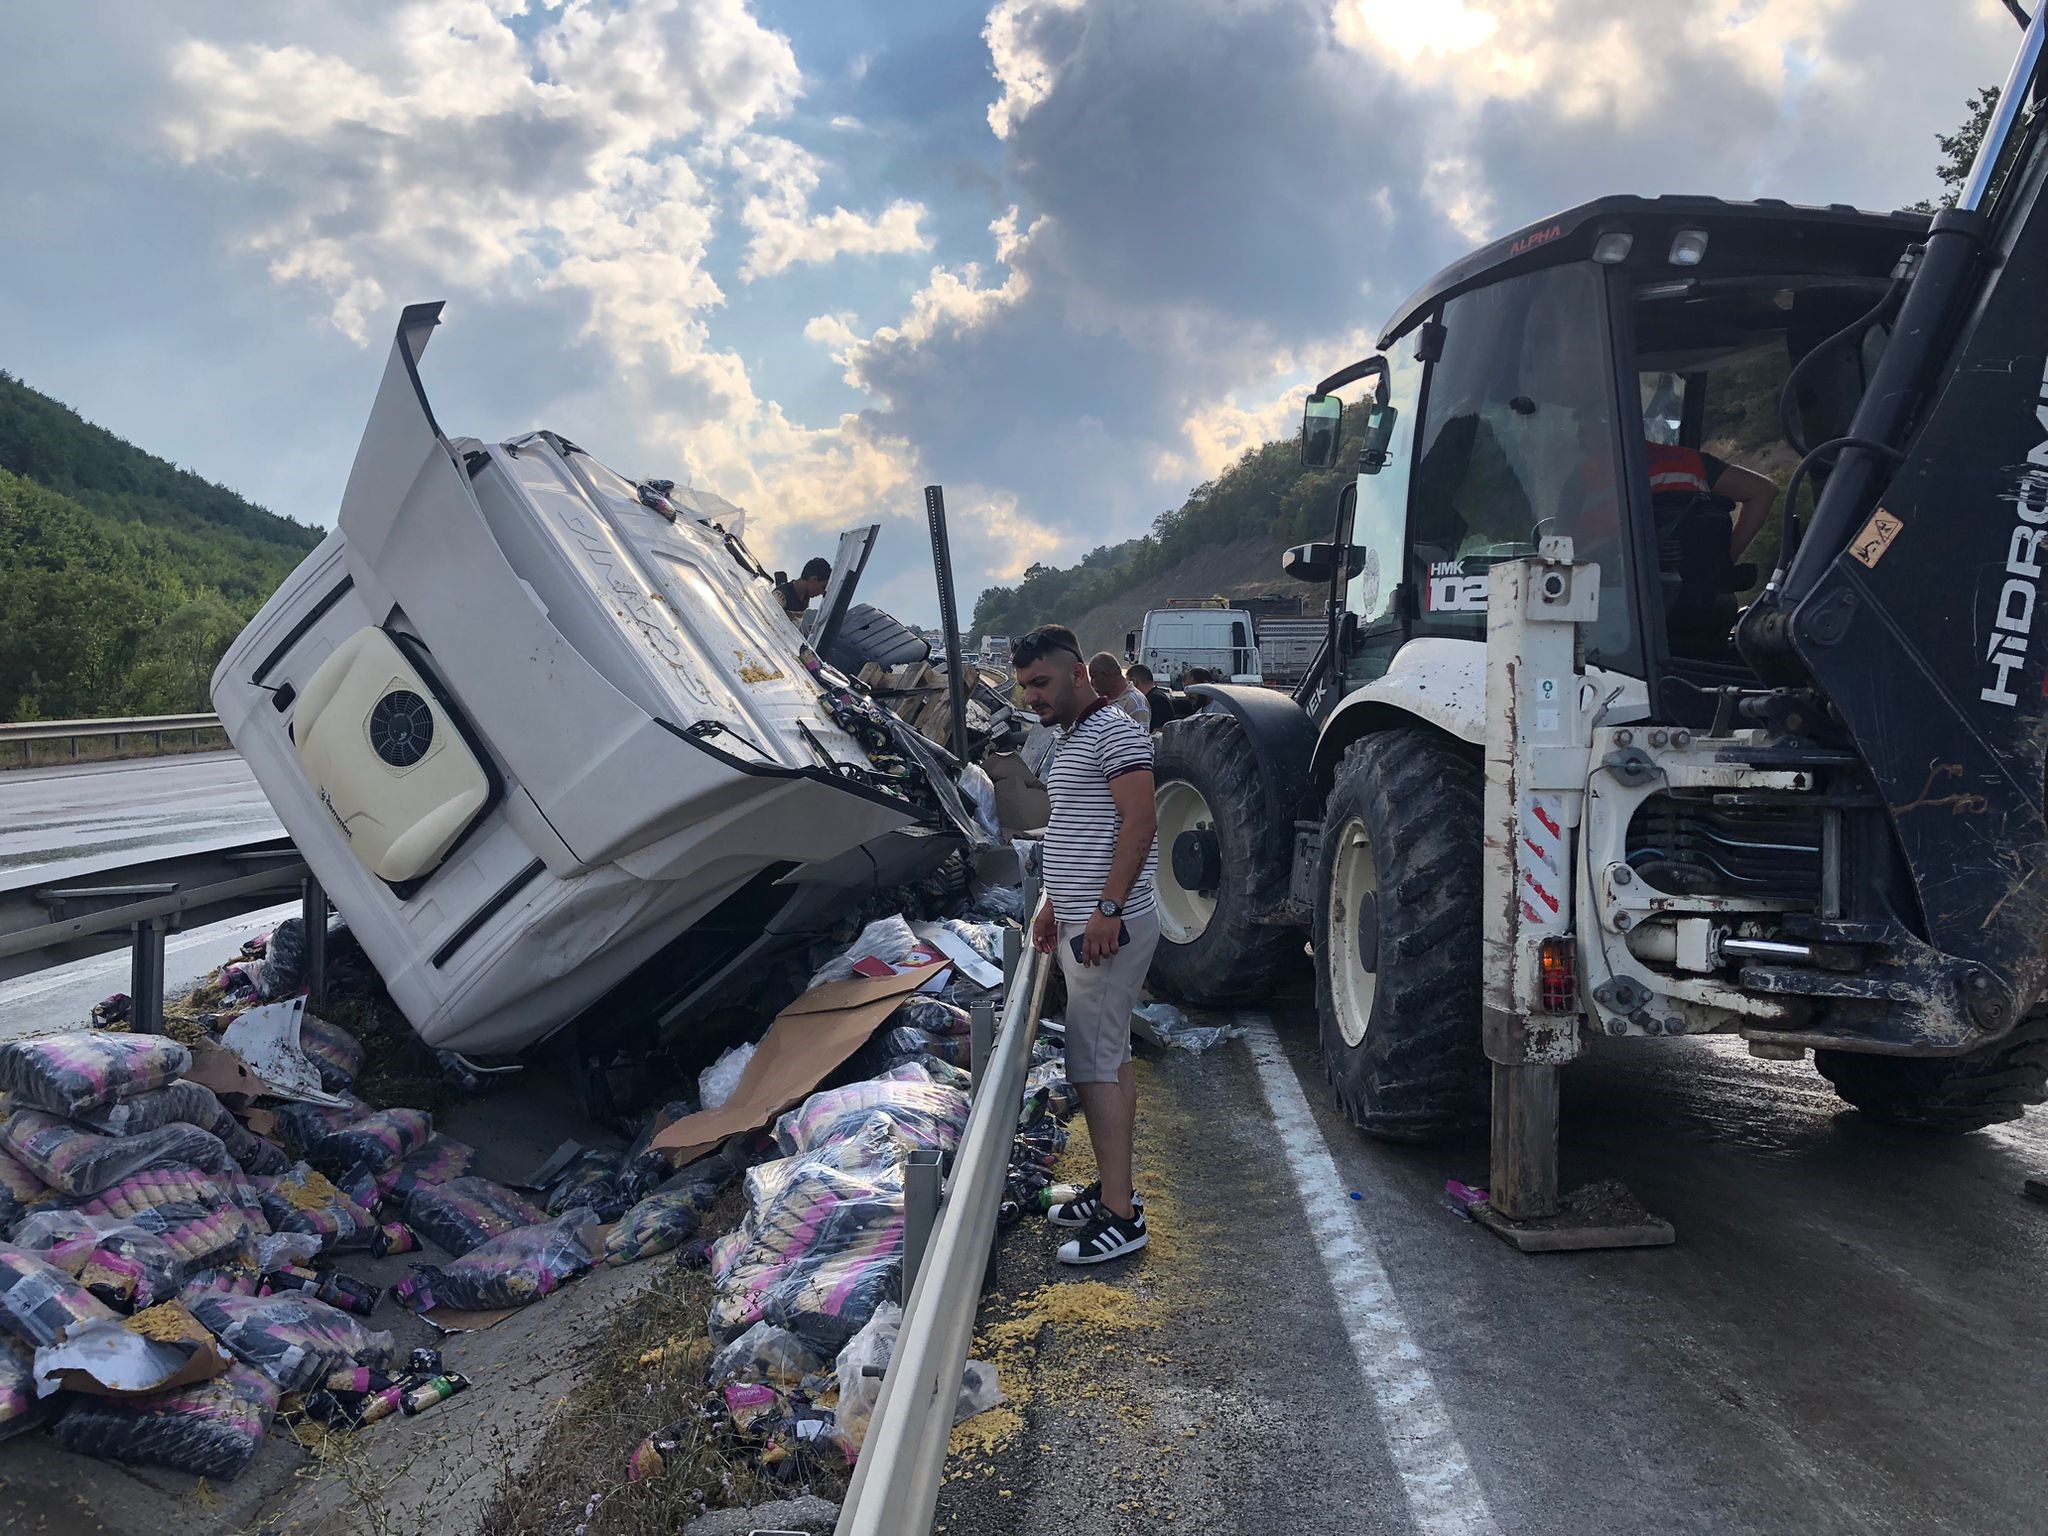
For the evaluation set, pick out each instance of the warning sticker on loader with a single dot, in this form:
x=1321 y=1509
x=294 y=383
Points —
x=1875 y=538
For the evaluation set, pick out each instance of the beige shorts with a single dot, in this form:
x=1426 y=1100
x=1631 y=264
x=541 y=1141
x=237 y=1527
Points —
x=1100 y=999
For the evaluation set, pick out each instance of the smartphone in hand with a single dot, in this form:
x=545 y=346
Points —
x=1123 y=937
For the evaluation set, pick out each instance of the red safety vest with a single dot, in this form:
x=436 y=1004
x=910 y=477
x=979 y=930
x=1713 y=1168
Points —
x=1676 y=471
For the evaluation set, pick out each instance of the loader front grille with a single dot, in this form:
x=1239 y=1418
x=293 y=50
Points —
x=1689 y=846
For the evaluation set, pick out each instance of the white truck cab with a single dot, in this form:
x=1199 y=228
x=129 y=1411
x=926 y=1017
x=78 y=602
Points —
x=1206 y=635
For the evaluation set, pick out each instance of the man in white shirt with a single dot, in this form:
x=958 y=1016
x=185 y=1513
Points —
x=1099 y=919
x=1106 y=677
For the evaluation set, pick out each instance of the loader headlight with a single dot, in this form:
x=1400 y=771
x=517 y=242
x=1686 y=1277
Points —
x=1688 y=247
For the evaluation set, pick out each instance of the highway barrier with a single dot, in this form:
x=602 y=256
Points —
x=29 y=732
x=896 y=1481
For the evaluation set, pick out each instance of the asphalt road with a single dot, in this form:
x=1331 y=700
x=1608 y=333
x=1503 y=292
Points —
x=1847 y=1337
x=55 y=822
x=59 y=817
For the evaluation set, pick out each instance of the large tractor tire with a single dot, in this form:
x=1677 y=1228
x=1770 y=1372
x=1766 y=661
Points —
x=1223 y=860
x=1947 y=1094
x=1397 y=937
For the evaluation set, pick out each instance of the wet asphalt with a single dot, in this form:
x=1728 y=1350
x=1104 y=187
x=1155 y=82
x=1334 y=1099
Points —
x=1847 y=1337
x=59 y=818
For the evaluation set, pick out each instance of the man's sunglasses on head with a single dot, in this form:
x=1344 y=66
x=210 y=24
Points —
x=1036 y=646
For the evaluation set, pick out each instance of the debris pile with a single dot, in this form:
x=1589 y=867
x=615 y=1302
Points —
x=185 y=1223
x=808 y=1286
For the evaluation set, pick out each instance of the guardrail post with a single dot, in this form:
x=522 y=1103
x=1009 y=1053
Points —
x=981 y=1035
x=146 y=976
x=313 y=911
x=1013 y=951
x=921 y=1190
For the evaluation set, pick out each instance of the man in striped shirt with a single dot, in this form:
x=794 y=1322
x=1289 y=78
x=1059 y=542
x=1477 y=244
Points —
x=1099 y=918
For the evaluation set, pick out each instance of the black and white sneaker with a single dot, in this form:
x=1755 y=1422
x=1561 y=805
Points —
x=1107 y=1236
x=1082 y=1209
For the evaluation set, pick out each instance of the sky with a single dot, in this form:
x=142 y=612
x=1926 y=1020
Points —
x=1068 y=258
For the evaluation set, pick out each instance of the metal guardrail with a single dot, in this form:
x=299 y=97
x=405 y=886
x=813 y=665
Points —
x=78 y=911
x=28 y=732
x=895 y=1483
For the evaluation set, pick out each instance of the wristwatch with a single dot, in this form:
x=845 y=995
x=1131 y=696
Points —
x=1109 y=908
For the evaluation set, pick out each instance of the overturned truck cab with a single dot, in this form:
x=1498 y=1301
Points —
x=550 y=743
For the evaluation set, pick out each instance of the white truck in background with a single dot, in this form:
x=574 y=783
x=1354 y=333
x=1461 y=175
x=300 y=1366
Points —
x=1199 y=632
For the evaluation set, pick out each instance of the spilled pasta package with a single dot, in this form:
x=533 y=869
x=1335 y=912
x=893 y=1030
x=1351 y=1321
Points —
x=80 y=1162
x=84 y=1069
x=211 y=1429
x=513 y=1269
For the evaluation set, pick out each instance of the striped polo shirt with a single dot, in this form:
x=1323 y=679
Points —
x=1080 y=840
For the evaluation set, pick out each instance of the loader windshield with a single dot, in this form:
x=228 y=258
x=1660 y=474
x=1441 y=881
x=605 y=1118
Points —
x=1518 y=442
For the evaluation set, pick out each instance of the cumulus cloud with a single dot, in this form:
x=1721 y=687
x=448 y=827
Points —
x=586 y=158
x=781 y=177
x=1217 y=211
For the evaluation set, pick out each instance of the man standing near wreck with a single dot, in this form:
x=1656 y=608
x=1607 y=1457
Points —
x=1098 y=917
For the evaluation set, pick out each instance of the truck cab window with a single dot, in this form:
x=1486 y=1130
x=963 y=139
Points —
x=1519 y=442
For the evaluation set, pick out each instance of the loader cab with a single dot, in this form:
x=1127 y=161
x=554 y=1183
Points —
x=1550 y=383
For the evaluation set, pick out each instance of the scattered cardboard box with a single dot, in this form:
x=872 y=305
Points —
x=808 y=1039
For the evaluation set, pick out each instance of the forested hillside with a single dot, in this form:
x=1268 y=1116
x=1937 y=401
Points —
x=1265 y=499
x=122 y=576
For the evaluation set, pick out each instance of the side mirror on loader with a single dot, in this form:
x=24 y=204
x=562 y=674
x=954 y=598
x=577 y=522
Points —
x=1322 y=424
x=1379 y=431
x=1312 y=562
x=1130 y=645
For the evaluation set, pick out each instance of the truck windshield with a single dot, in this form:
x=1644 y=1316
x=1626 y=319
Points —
x=1519 y=441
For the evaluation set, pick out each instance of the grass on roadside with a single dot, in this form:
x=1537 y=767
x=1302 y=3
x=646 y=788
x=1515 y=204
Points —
x=648 y=1378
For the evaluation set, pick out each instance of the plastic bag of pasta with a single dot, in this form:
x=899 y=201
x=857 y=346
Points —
x=79 y=1162
x=193 y=1103
x=937 y=1115
x=119 y=1262
x=300 y=1126
x=441 y=1159
x=513 y=1269
x=591 y=1182
x=252 y=1153
x=291 y=1337
x=20 y=1191
x=644 y=1166
x=655 y=1225
x=39 y=1302
x=465 y=1213
x=305 y=1200
x=932 y=1016
x=213 y=1429
x=377 y=1141
x=184 y=1207
x=337 y=1053
x=821 y=1246
x=19 y=1409
x=70 y=1073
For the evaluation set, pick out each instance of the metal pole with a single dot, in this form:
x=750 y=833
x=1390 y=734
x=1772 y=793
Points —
x=921 y=1189
x=1523 y=1182
x=981 y=1035
x=146 y=976
x=949 y=617
x=313 y=911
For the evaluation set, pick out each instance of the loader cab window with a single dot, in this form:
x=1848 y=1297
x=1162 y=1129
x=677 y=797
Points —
x=1519 y=440
x=1380 y=521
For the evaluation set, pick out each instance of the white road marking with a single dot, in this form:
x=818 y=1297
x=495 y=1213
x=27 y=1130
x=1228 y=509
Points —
x=1444 y=1497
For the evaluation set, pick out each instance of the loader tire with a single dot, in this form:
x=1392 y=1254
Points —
x=1947 y=1094
x=1397 y=937
x=1223 y=859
